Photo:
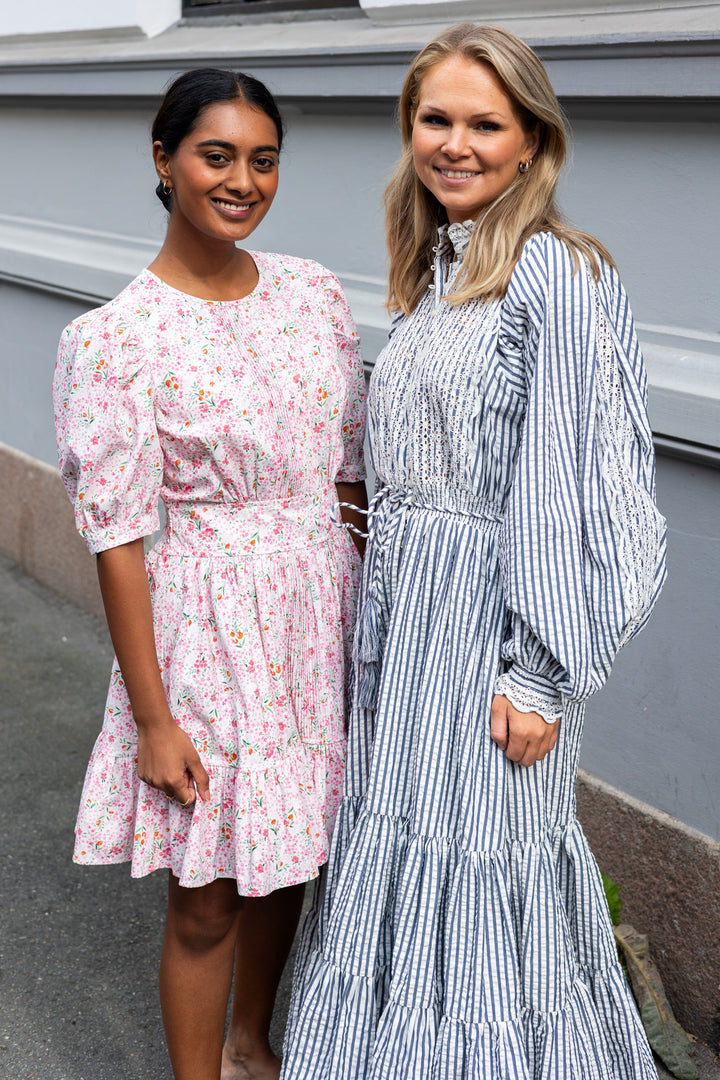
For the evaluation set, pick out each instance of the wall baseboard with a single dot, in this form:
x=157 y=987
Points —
x=669 y=880
x=37 y=530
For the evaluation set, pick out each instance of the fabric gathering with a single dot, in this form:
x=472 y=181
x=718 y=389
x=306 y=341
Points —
x=239 y=418
x=514 y=547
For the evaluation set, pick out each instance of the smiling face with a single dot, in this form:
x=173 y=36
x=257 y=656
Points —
x=224 y=174
x=467 y=139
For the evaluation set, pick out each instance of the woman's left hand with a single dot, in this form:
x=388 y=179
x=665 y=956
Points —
x=525 y=737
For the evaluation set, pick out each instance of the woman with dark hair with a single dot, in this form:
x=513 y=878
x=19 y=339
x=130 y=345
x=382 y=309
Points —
x=514 y=546
x=227 y=383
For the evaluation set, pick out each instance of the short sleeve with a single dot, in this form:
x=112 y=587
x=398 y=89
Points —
x=108 y=447
x=352 y=466
x=583 y=549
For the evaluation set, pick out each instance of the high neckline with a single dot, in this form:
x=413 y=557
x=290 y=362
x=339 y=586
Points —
x=454 y=239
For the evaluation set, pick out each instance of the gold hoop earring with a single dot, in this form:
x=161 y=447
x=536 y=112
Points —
x=524 y=166
x=167 y=188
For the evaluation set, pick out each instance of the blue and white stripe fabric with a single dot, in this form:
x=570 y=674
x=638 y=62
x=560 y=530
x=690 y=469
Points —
x=463 y=932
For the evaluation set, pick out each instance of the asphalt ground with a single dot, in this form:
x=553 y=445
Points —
x=79 y=946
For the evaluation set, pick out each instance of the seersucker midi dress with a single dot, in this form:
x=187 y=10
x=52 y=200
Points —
x=514 y=546
x=240 y=416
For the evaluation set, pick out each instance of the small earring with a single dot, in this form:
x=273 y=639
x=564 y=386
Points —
x=167 y=188
x=524 y=166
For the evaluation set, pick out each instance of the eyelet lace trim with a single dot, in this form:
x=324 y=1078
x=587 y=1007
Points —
x=525 y=700
x=639 y=526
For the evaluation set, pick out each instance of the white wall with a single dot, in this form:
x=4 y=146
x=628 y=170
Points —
x=643 y=14
x=52 y=16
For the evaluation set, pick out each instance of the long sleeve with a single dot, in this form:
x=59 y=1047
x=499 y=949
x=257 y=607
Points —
x=583 y=555
x=108 y=446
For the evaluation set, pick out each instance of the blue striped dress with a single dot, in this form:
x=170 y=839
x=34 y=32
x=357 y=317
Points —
x=462 y=933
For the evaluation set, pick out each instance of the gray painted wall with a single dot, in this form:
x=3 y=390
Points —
x=644 y=180
x=647 y=188
x=31 y=323
x=653 y=730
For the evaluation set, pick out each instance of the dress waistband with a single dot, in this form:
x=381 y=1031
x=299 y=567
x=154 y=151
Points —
x=389 y=498
x=252 y=528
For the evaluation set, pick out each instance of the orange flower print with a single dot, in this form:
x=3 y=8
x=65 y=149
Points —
x=239 y=418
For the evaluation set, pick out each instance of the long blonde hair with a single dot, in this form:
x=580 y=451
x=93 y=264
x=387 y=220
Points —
x=527 y=206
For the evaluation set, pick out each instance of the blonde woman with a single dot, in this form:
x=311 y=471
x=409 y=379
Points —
x=514 y=546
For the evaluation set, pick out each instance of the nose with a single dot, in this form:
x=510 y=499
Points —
x=240 y=179
x=455 y=145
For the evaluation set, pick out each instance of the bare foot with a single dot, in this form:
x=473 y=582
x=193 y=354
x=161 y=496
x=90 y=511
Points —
x=256 y=1066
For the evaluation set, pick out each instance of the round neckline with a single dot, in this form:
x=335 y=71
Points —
x=200 y=299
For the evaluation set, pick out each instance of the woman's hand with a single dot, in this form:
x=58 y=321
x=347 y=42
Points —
x=167 y=760
x=525 y=737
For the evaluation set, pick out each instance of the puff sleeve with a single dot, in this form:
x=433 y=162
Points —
x=583 y=545
x=108 y=447
x=347 y=342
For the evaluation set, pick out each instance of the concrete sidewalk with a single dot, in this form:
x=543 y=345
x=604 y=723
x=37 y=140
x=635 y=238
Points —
x=80 y=946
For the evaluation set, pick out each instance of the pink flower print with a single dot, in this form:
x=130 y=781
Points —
x=224 y=443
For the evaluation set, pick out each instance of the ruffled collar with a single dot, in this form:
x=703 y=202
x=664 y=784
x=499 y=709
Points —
x=454 y=239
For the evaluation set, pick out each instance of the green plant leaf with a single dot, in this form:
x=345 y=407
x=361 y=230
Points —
x=612 y=895
x=665 y=1035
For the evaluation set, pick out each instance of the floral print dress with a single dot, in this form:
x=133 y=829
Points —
x=240 y=417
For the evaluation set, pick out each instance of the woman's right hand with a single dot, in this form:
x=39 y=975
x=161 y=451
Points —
x=168 y=761
x=525 y=737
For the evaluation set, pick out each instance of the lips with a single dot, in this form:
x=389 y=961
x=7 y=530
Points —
x=457 y=174
x=233 y=209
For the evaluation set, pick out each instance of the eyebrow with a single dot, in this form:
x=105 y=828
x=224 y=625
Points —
x=475 y=116
x=231 y=146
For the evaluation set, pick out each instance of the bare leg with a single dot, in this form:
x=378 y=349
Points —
x=266 y=929
x=196 y=974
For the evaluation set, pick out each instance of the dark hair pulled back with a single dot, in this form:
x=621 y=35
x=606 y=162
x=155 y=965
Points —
x=194 y=91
